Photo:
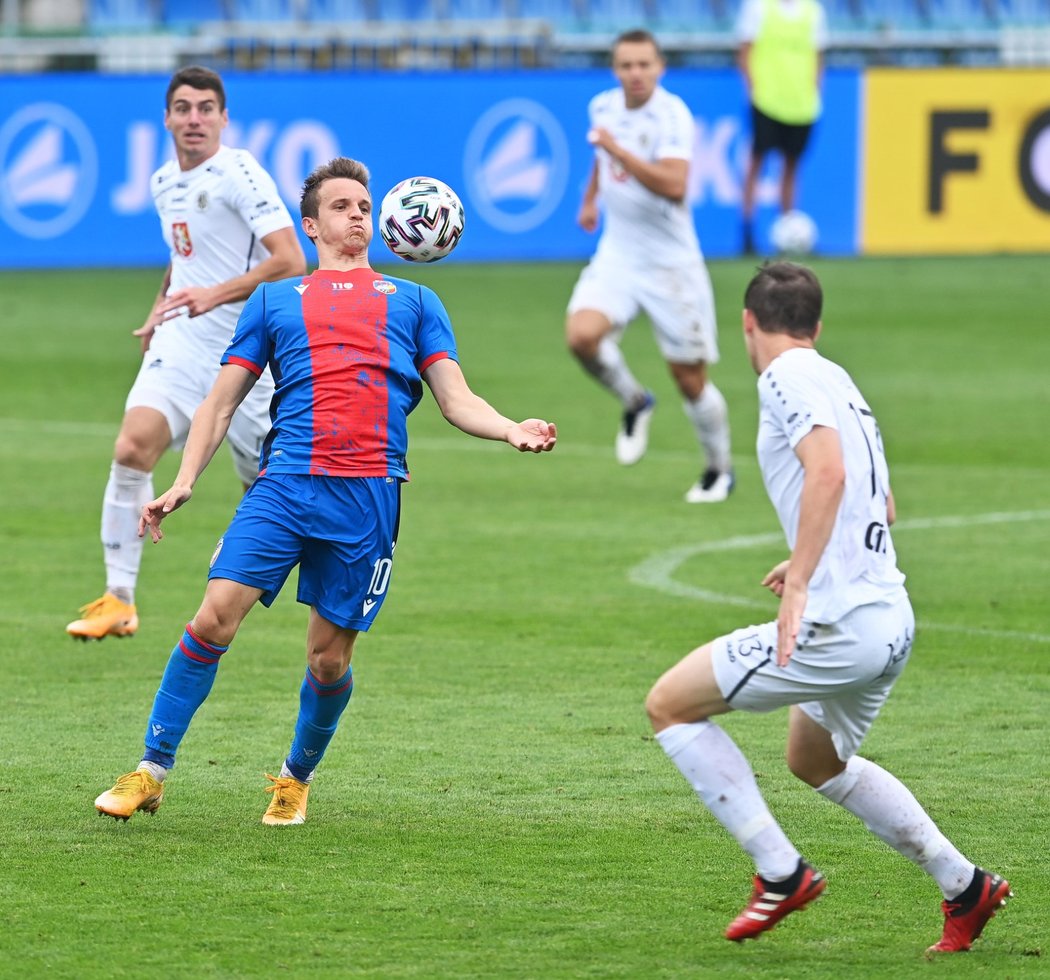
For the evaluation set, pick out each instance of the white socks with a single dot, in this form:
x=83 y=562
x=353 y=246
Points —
x=610 y=369
x=888 y=810
x=722 y=778
x=287 y=773
x=710 y=417
x=155 y=769
x=126 y=492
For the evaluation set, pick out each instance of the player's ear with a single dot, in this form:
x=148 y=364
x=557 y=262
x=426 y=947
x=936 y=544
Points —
x=816 y=333
x=309 y=227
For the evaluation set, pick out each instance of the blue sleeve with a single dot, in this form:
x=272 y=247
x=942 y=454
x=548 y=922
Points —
x=435 y=338
x=250 y=346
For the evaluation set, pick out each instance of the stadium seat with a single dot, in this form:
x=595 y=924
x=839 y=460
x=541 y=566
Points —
x=343 y=11
x=105 y=16
x=560 y=13
x=183 y=15
x=477 y=10
x=621 y=14
x=266 y=10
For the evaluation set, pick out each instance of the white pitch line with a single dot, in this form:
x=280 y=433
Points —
x=657 y=572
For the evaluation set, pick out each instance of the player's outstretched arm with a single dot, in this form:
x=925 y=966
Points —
x=532 y=436
x=156 y=510
x=210 y=424
x=475 y=416
x=156 y=315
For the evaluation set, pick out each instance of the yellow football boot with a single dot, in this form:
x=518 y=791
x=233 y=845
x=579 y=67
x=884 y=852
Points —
x=136 y=790
x=288 y=805
x=107 y=616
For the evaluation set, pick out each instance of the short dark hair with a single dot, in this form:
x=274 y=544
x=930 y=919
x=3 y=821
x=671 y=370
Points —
x=198 y=77
x=309 y=205
x=638 y=35
x=785 y=298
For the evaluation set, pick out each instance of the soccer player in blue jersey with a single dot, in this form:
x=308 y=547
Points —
x=349 y=349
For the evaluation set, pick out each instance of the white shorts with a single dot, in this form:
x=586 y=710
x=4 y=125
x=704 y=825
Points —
x=175 y=381
x=679 y=302
x=840 y=673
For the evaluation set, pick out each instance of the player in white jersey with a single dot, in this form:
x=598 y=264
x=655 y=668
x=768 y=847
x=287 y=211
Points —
x=648 y=259
x=841 y=638
x=228 y=230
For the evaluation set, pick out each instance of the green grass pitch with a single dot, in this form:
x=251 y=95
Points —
x=493 y=804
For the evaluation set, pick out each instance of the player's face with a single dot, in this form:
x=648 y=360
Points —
x=639 y=68
x=195 y=122
x=344 y=217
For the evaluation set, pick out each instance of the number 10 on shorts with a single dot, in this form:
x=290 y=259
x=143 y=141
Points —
x=377 y=587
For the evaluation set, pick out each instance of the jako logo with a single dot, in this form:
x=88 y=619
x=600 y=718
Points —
x=516 y=164
x=48 y=170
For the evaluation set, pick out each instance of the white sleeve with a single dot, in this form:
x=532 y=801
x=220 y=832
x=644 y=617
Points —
x=749 y=21
x=254 y=196
x=677 y=132
x=796 y=402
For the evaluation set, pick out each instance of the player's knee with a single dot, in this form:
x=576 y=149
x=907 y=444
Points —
x=328 y=665
x=659 y=706
x=813 y=772
x=584 y=331
x=135 y=453
x=213 y=625
x=581 y=345
x=329 y=660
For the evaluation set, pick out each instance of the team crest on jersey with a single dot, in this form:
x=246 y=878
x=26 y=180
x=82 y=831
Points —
x=215 y=555
x=180 y=239
x=202 y=201
x=384 y=286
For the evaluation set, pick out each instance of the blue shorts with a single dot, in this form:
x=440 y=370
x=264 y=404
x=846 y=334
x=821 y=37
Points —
x=340 y=531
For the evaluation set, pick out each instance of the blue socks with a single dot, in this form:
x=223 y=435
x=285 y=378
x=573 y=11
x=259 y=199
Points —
x=186 y=683
x=320 y=706
x=188 y=680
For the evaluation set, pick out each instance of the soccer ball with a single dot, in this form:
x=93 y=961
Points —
x=794 y=233
x=421 y=219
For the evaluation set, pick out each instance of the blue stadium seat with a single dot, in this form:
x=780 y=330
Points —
x=189 y=14
x=343 y=11
x=264 y=10
x=696 y=15
x=561 y=13
x=407 y=10
x=477 y=10
x=104 y=16
x=620 y=15
x=848 y=15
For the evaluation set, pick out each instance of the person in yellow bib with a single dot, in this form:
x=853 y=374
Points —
x=781 y=56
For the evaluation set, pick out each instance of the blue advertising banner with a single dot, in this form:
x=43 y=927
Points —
x=76 y=153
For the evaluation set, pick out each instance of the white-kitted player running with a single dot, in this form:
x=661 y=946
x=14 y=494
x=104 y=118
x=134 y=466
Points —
x=648 y=259
x=228 y=230
x=842 y=636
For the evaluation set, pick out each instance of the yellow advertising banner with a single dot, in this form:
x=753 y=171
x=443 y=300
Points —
x=956 y=161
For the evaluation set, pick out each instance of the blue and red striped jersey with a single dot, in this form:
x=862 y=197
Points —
x=347 y=351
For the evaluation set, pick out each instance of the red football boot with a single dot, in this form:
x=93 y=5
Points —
x=772 y=900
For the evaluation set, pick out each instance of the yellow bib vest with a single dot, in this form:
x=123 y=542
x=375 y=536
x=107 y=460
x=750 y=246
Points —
x=784 y=64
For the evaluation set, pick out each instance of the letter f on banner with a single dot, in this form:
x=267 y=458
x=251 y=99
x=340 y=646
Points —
x=942 y=160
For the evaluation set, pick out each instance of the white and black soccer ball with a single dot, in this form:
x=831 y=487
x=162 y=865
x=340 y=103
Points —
x=794 y=233
x=421 y=219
